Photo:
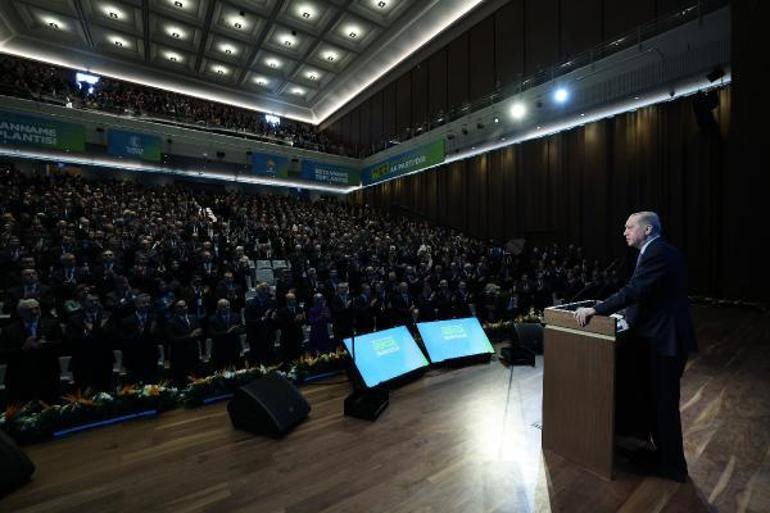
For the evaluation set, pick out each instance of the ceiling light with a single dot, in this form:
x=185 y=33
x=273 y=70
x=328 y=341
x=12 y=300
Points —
x=273 y=63
x=118 y=43
x=381 y=4
x=113 y=15
x=330 y=56
x=298 y=91
x=352 y=35
x=561 y=95
x=582 y=114
x=237 y=25
x=518 y=111
x=306 y=15
x=496 y=119
x=220 y=71
x=179 y=4
x=260 y=81
x=228 y=51
x=312 y=76
x=172 y=58
x=287 y=43
x=53 y=25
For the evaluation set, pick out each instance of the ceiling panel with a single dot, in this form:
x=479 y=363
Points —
x=293 y=57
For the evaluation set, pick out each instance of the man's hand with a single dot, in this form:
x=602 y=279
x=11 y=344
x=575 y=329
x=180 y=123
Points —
x=30 y=343
x=583 y=315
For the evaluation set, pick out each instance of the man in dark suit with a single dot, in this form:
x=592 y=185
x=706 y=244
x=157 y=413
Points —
x=30 y=345
x=225 y=329
x=89 y=341
x=658 y=313
x=140 y=334
x=184 y=333
x=290 y=318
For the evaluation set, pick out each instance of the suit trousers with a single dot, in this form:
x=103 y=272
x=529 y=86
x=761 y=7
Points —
x=665 y=375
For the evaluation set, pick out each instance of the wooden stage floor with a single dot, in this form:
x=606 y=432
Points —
x=454 y=441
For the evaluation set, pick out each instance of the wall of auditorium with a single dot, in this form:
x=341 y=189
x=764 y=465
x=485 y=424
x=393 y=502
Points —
x=519 y=39
x=579 y=186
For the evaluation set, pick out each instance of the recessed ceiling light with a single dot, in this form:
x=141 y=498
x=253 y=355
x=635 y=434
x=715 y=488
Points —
x=118 y=43
x=287 y=43
x=261 y=81
x=298 y=91
x=381 y=4
x=113 y=15
x=330 y=56
x=496 y=119
x=273 y=63
x=312 y=76
x=179 y=4
x=237 y=25
x=53 y=25
x=172 y=58
x=582 y=114
x=176 y=35
x=352 y=35
x=221 y=71
x=306 y=15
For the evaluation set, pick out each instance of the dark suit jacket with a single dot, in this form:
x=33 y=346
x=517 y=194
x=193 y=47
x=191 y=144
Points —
x=656 y=301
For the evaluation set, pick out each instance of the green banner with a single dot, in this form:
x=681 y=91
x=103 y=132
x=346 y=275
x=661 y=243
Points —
x=407 y=162
x=16 y=129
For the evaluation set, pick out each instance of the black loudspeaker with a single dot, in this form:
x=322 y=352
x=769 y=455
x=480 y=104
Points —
x=530 y=336
x=15 y=467
x=269 y=406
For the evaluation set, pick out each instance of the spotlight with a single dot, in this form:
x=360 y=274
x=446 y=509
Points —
x=518 y=111
x=560 y=95
x=496 y=119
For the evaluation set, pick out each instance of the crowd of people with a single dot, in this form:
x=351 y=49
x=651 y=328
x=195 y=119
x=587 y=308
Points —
x=88 y=267
x=26 y=78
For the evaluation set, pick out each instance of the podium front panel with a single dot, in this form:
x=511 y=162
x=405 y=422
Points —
x=579 y=397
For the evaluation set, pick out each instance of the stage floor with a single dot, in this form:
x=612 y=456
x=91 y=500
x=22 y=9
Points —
x=454 y=441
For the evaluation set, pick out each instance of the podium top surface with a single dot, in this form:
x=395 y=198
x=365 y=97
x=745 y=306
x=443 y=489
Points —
x=563 y=317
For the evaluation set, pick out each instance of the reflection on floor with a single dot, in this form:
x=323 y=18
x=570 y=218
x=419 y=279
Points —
x=463 y=440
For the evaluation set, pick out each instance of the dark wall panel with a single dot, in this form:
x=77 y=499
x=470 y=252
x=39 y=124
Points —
x=420 y=94
x=404 y=103
x=541 y=34
x=457 y=71
x=509 y=42
x=581 y=26
x=438 y=83
x=621 y=17
x=366 y=124
x=482 y=58
x=389 y=106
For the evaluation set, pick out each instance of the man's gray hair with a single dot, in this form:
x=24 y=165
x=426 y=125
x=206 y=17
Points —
x=650 y=218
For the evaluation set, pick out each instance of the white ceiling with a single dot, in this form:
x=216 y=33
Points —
x=301 y=59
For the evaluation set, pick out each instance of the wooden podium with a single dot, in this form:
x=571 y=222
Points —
x=579 y=388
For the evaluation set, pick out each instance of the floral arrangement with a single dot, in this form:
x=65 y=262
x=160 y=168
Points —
x=37 y=421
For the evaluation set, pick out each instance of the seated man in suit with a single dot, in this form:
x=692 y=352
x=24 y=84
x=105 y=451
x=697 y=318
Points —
x=658 y=314
x=89 y=342
x=30 y=346
x=184 y=333
x=225 y=329
x=140 y=335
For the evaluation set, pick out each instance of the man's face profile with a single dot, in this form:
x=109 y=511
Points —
x=635 y=232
